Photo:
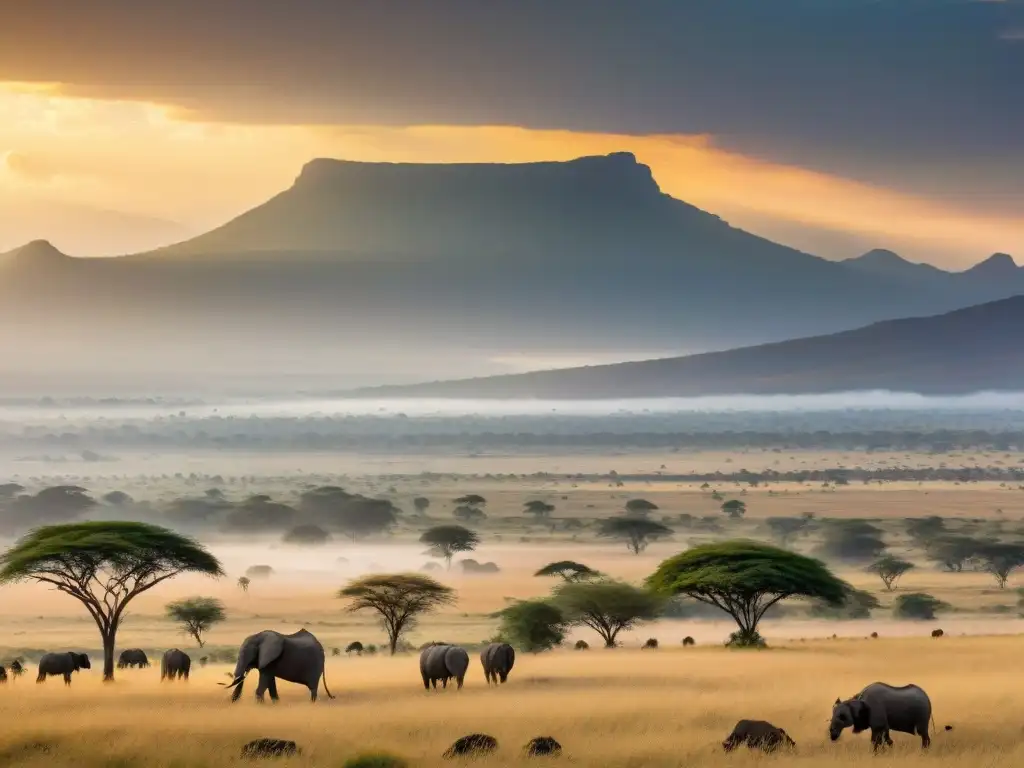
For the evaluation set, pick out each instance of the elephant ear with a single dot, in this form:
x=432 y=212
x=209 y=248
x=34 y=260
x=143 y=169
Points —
x=271 y=646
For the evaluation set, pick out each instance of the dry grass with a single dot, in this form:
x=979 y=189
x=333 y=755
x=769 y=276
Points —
x=608 y=708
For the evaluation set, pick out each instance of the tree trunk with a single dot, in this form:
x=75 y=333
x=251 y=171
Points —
x=108 y=655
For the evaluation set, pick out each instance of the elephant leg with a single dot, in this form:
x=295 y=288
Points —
x=67 y=678
x=459 y=680
x=444 y=683
x=877 y=738
x=184 y=674
x=426 y=682
x=263 y=685
x=504 y=677
x=926 y=740
x=272 y=689
x=41 y=678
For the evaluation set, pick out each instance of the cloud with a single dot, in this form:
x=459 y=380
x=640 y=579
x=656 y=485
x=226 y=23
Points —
x=30 y=167
x=854 y=87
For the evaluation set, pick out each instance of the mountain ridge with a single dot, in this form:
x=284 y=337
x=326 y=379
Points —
x=955 y=353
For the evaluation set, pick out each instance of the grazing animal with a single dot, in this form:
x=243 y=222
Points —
x=542 y=746
x=132 y=657
x=175 y=665
x=883 y=708
x=497 y=660
x=443 y=662
x=874 y=635
x=62 y=664
x=270 y=748
x=474 y=744
x=757 y=734
x=937 y=633
x=582 y=645
x=652 y=643
x=689 y=641
x=355 y=647
x=203 y=660
x=296 y=658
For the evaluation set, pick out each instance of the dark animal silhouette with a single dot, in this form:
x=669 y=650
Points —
x=131 y=658
x=874 y=635
x=474 y=744
x=937 y=633
x=175 y=665
x=497 y=660
x=652 y=643
x=3 y=675
x=882 y=708
x=269 y=748
x=689 y=641
x=443 y=662
x=17 y=670
x=541 y=746
x=582 y=645
x=62 y=664
x=296 y=658
x=757 y=734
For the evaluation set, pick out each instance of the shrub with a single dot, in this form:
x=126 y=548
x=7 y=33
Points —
x=746 y=639
x=375 y=760
x=533 y=625
x=582 y=645
x=917 y=605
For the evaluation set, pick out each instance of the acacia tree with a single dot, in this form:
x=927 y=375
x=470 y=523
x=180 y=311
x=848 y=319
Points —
x=539 y=509
x=640 y=507
x=399 y=598
x=569 y=571
x=421 y=503
x=243 y=583
x=745 y=579
x=635 y=531
x=472 y=499
x=785 y=529
x=607 y=607
x=105 y=565
x=734 y=508
x=1001 y=560
x=445 y=541
x=196 y=615
x=889 y=569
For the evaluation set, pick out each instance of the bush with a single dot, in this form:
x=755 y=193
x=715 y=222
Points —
x=917 y=605
x=742 y=639
x=533 y=625
x=858 y=605
x=855 y=540
x=375 y=760
x=582 y=645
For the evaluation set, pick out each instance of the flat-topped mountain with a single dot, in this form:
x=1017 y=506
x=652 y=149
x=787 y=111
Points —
x=962 y=352
x=448 y=265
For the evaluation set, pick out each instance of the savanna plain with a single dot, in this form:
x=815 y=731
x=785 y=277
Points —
x=620 y=707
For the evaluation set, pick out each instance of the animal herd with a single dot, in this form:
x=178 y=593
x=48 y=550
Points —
x=299 y=658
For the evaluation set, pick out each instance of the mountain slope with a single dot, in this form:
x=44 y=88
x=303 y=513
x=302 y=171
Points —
x=960 y=352
x=373 y=272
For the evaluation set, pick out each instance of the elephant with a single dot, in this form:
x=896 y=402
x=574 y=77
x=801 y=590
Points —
x=883 y=708
x=296 y=658
x=175 y=665
x=757 y=734
x=497 y=660
x=62 y=664
x=132 y=657
x=443 y=662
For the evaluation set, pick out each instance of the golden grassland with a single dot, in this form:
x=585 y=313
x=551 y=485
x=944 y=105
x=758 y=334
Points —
x=618 y=708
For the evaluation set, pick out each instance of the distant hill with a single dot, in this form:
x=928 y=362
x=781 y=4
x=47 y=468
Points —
x=969 y=350
x=371 y=272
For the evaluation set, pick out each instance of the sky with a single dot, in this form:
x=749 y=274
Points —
x=835 y=126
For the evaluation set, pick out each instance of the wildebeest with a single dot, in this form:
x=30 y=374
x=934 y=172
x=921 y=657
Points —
x=882 y=708
x=131 y=658
x=540 y=746
x=62 y=664
x=497 y=660
x=473 y=744
x=937 y=633
x=688 y=641
x=270 y=748
x=652 y=643
x=757 y=734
